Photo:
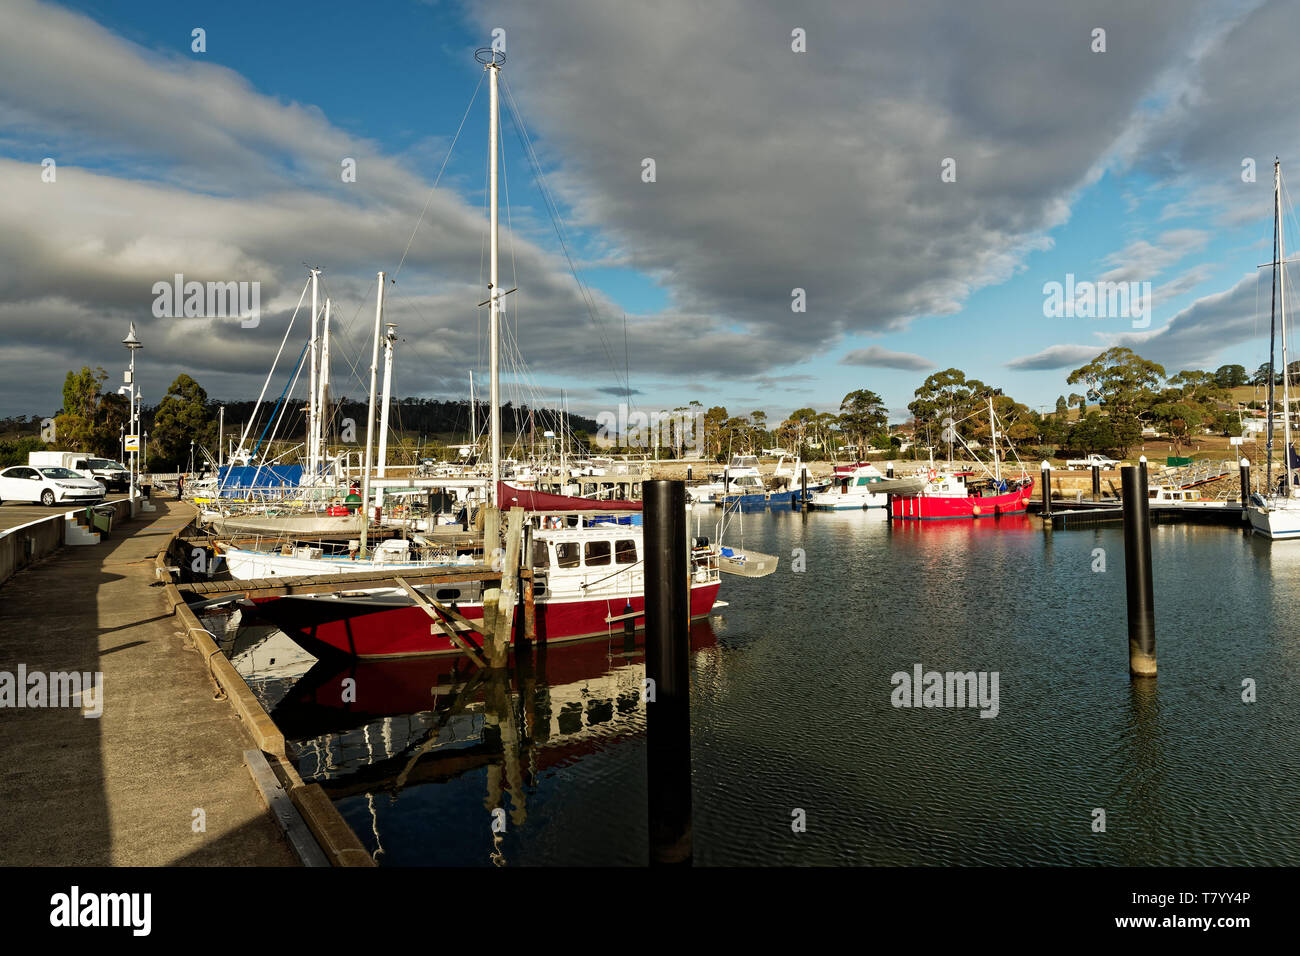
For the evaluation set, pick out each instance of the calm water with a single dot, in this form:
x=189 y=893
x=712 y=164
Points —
x=791 y=708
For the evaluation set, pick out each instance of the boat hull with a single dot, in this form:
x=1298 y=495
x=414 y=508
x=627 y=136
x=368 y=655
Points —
x=361 y=628
x=1279 y=524
x=957 y=507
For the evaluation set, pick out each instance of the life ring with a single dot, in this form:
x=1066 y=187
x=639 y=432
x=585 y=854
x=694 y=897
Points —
x=933 y=475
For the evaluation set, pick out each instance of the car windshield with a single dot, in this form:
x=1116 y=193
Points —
x=59 y=473
x=104 y=464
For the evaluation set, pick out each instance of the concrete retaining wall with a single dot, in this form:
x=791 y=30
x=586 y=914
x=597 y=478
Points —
x=30 y=542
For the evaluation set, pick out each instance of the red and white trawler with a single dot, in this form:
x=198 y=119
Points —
x=587 y=581
x=948 y=495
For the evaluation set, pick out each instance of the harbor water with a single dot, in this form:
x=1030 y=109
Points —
x=801 y=756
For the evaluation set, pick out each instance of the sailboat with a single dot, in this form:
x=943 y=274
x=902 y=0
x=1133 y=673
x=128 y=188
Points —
x=588 y=572
x=1276 y=513
x=950 y=494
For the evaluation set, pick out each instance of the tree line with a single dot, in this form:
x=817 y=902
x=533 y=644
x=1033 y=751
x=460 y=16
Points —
x=1123 y=395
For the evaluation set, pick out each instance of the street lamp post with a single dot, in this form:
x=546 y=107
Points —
x=133 y=345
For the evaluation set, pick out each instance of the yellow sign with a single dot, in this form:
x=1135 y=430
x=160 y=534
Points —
x=132 y=443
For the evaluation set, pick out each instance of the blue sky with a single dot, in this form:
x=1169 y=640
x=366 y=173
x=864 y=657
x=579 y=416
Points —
x=776 y=170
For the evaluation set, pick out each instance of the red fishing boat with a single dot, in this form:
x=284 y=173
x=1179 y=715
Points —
x=949 y=494
x=587 y=581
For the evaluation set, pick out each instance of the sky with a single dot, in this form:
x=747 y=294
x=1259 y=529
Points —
x=844 y=196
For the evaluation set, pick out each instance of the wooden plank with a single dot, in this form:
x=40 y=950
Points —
x=423 y=603
x=491 y=533
x=327 y=583
x=509 y=588
x=282 y=808
x=526 y=575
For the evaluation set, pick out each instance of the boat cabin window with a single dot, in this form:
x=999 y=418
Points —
x=625 y=551
x=566 y=554
x=864 y=480
x=448 y=594
x=597 y=553
x=539 y=554
x=1152 y=494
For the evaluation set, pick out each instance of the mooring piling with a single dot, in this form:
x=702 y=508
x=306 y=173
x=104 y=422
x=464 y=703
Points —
x=1046 y=476
x=667 y=657
x=1244 y=466
x=1096 y=482
x=1137 y=572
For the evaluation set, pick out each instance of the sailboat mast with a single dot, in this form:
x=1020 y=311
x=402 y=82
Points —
x=494 y=293
x=473 y=416
x=390 y=342
x=370 y=418
x=993 y=437
x=1272 y=331
x=311 y=384
x=322 y=403
x=1281 y=316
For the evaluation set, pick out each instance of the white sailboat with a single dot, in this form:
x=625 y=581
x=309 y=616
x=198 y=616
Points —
x=1276 y=513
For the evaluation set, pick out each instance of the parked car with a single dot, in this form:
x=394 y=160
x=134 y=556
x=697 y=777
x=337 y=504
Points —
x=109 y=473
x=1100 y=460
x=48 y=486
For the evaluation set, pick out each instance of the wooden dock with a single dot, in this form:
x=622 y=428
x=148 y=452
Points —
x=330 y=583
x=1069 y=514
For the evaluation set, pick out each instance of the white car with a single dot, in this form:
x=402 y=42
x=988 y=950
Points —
x=47 y=485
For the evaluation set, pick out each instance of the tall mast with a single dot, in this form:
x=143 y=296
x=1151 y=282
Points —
x=494 y=293
x=390 y=339
x=311 y=384
x=1281 y=317
x=322 y=404
x=370 y=418
x=473 y=416
x=1273 y=319
x=993 y=437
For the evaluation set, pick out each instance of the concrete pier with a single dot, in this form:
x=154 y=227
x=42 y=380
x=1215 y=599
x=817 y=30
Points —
x=122 y=789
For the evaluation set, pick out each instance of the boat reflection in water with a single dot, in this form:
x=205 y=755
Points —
x=434 y=761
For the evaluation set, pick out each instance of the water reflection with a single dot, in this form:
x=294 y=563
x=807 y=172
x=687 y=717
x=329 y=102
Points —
x=379 y=735
x=791 y=708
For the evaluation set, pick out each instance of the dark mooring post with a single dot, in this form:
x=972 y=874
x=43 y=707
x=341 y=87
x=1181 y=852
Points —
x=1245 y=485
x=1045 y=475
x=1096 y=482
x=1137 y=572
x=803 y=487
x=667 y=664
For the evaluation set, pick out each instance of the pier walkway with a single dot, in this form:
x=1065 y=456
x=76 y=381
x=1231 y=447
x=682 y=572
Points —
x=123 y=788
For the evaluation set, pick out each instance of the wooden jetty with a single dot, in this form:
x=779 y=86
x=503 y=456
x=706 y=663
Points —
x=1068 y=514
